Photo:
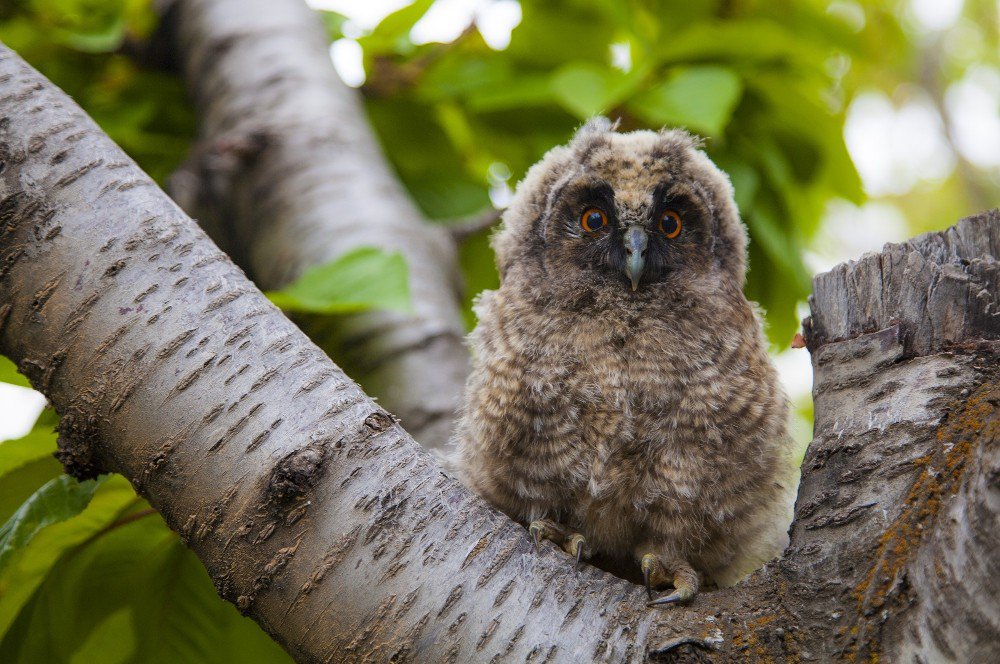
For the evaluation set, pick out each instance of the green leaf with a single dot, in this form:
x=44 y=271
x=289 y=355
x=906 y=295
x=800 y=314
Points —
x=363 y=279
x=780 y=248
x=10 y=374
x=28 y=566
x=111 y=642
x=38 y=443
x=20 y=483
x=27 y=463
x=746 y=181
x=392 y=33
x=554 y=32
x=742 y=42
x=479 y=268
x=102 y=41
x=460 y=74
x=56 y=501
x=587 y=89
x=334 y=23
x=525 y=91
x=700 y=98
x=449 y=199
x=135 y=582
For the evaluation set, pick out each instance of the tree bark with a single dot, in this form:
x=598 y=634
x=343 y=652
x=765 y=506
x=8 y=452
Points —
x=289 y=175
x=317 y=515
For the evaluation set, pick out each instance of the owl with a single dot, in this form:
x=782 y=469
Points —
x=622 y=403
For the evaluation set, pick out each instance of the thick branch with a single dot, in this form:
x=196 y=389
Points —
x=317 y=515
x=313 y=511
x=289 y=175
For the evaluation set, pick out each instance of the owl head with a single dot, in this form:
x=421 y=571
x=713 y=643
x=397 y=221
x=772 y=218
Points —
x=633 y=216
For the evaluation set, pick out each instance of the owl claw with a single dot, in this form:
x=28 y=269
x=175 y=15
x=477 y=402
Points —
x=667 y=599
x=572 y=543
x=574 y=546
x=540 y=530
x=545 y=529
x=655 y=573
x=648 y=564
x=683 y=591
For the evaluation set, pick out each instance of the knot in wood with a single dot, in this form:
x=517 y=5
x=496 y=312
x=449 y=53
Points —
x=76 y=442
x=297 y=473
x=378 y=422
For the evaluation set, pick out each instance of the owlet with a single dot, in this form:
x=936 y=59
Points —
x=622 y=403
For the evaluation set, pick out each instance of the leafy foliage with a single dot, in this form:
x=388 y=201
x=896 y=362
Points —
x=88 y=572
x=57 y=500
x=362 y=279
x=87 y=604
x=82 y=46
x=10 y=374
x=752 y=78
x=27 y=463
x=701 y=98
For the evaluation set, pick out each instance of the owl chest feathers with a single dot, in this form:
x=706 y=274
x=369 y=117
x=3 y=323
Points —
x=602 y=420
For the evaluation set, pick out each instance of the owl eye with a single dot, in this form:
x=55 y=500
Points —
x=670 y=223
x=593 y=220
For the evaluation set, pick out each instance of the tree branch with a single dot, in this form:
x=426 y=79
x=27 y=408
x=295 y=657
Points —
x=314 y=512
x=289 y=175
x=317 y=515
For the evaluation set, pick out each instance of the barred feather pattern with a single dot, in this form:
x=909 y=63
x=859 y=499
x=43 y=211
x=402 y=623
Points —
x=646 y=421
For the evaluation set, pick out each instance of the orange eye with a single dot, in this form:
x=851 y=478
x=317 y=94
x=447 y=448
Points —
x=670 y=223
x=593 y=220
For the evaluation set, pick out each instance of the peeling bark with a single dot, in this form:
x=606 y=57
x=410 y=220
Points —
x=317 y=515
x=289 y=175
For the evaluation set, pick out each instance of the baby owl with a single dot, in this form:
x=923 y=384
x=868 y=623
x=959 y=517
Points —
x=622 y=403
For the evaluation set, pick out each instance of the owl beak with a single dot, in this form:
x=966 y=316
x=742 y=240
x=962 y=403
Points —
x=636 y=241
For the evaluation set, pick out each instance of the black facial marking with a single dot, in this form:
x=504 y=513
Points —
x=600 y=254
x=578 y=197
x=599 y=191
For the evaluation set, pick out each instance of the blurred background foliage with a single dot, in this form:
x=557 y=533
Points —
x=752 y=81
x=842 y=124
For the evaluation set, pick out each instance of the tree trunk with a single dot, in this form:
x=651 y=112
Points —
x=316 y=514
x=288 y=175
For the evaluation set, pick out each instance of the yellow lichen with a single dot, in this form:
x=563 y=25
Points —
x=939 y=478
x=748 y=640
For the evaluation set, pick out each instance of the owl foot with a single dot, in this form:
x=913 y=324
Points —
x=655 y=573
x=572 y=543
x=546 y=529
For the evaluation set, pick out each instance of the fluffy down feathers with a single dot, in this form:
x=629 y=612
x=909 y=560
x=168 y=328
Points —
x=650 y=421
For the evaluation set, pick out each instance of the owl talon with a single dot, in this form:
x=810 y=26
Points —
x=683 y=591
x=679 y=572
x=575 y=546
x=545 y=529
x=648 y=564
x=667 y=599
